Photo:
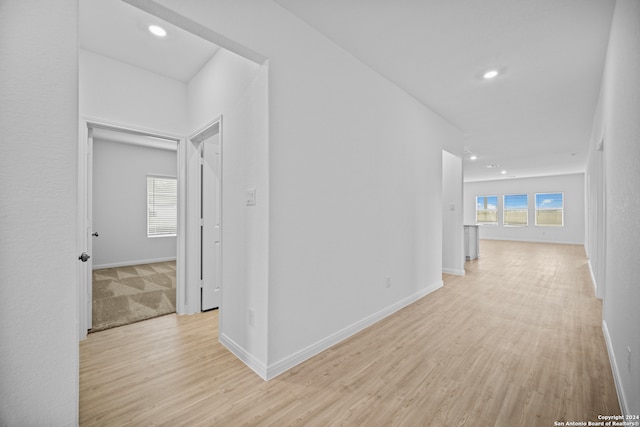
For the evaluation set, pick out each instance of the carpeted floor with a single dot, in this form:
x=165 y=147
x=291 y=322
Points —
x=124 y=295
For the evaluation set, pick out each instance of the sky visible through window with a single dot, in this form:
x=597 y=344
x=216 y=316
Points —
x=487 y=210
x=515 y=201
x=550 y=209
x=516 y=210
x=486 y=202
x=549 y=201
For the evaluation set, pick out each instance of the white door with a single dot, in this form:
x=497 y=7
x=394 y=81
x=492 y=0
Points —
x=88 y=272
x=210 y=232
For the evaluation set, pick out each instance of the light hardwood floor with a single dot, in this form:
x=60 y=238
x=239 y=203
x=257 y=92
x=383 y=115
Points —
x=515 y=342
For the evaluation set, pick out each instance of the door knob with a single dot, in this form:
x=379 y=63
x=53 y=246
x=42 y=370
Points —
x=84 y=257
x=95 y=234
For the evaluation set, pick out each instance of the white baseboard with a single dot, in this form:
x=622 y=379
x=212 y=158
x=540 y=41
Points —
x=289 y=362
x=614 y=368
x=593 y=279
x=453 y=271
x=128 y=263
x=255 y=365
x=556 y=242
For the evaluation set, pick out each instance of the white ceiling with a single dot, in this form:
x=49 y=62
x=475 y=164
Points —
x=533 y=120
x=528 y=121
x=118 y=30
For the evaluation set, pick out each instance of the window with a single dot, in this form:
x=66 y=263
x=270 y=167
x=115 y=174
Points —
x=487 y=210
x=516 y=210
x=162 y=201
x=550 y=209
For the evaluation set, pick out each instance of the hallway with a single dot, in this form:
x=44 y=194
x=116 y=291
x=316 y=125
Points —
x=517 y=341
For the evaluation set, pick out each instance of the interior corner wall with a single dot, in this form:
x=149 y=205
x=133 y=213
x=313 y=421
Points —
x=620 y=98
x=120 y=204
x=236 y=88
x=452 y=213
x=572 y=186
x=38 y=171
x=354 y=183
x=129 y=96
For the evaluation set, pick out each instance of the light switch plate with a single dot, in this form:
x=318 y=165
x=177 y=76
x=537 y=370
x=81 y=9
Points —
x=251 y=196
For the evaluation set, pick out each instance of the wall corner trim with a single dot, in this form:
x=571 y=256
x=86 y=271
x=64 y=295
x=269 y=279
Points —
x=296 y=358
x=254 y=364
x=614 y=368
x=593 y=279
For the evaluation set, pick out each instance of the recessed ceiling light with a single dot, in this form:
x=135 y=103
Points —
x=157 y=31
x=473 y=157
x=490 y=74
x=493 y=166
x=503 y=172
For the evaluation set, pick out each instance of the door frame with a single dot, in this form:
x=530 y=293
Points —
x=193 y=191
x=601 y=220
x=85 y=176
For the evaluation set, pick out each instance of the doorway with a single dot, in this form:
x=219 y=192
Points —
x=228 y=83
x=131 y=232
x=208 y=215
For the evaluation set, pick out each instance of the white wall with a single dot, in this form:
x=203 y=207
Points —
x=354 y=175
x=452 y=215
x=236 y=88
x=595 y=204
x=120 y=204
x=571 y=185
x=122 y=94
x=618 y=115
x=38 y=258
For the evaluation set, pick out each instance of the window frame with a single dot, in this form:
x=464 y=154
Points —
x=152 y=229
x=497 y=222
x=535 y=202
x=505 y=209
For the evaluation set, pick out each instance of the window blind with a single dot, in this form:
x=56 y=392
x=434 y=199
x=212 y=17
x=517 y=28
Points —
x=550 y=209
x=515 y=210
x=487 y=210
x=162 y=202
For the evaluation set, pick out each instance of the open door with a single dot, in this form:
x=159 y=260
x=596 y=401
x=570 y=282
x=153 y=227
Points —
x=210 y=222
x=85 y=232
x=88 y=263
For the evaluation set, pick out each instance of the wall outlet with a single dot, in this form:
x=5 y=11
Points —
x=252 y=317
x=388 y=282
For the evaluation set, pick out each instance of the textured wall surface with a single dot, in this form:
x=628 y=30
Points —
x=621 y=105
x=38 y=259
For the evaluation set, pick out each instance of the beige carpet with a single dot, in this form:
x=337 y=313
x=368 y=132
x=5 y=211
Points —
x=124 y=295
